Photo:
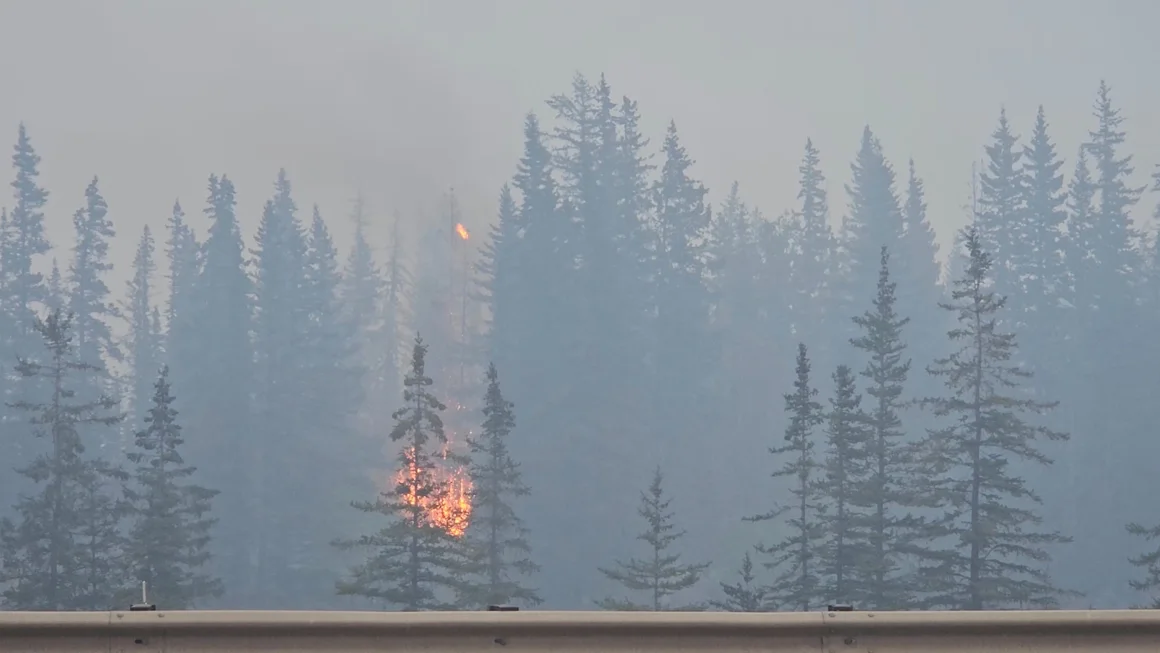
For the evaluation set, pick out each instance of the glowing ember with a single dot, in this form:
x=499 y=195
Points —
x=462 y=231
x=449 y=510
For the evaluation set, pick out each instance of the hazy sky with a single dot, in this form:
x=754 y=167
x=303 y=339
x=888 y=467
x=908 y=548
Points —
x=404 y=99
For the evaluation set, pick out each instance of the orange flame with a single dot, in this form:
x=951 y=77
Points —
x=449 y=510
x=462 y=231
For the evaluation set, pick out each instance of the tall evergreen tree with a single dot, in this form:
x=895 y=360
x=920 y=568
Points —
x=497 y=542
x=168 y=546
x=220 y=389
x=660 y=575
x=746 y=595
x=886 y=493
x=23 y=239
x=411 y=558
x=281 y=409
x=1114 y=245
x=793 y=558
x=845 y=471
x=333 y=393
x=986 y=552
x=874 y=220
x=1041 y=263
x=22 y=287
x=811 y=246
x=683 y=350
x=89 y=299
x=1002 y=202
x=144 y=339
x=918 y=271
x=60 y=553
x=361 y=292
x=184 y=254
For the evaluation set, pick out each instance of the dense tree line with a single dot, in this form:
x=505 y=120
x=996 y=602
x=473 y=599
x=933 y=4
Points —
x=207 y=432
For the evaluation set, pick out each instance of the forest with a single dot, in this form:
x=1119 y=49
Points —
x=622 y=396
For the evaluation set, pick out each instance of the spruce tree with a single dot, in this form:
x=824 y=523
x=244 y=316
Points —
x=411 y=558
x=843 y=558
x=812 y=246
x=61 y=552
x=986 y=551
x=660 y=574
x=184 y=257
x=1043 y=270
x=144 y=339
x=746 y=595
x=168 y=546
x=1113 y=244
x=361 y=292
x=794 y=557
x=22 y=288
x=1002 y=202
x=24 y=239
x=496 y=538
x=89 y=294
x=918 y=271
x=683 y=345
x=886 y=494
x=874 y=220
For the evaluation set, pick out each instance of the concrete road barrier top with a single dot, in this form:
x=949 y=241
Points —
x=576 y=632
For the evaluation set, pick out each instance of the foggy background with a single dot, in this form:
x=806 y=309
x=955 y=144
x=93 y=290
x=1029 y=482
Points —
x=406 y=99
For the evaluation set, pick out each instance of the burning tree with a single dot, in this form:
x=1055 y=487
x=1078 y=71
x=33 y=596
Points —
x=445 y=312
x=415 y=554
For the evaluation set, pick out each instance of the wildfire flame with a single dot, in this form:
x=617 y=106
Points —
x=462 y=231
x=449 y=510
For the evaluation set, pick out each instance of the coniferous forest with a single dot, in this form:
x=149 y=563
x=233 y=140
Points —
x=621 y=396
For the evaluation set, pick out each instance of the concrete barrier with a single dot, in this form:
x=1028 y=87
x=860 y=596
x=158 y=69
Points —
x=580 y=632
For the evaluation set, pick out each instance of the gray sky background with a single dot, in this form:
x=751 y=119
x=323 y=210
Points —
x=404 y=99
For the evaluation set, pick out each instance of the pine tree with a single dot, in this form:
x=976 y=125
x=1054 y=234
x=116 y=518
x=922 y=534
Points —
x=144 y=340
x=683 y=347
x=327 y=361
x=661 y=574
x=282 y=410
x=1002 y=202
x=847 y=465
x=746 y=595
x=22 y=288
x=184 y=254
x=89 y=295
x=797 y=584
x=985 y=550
x=1042 y=265
x=1114 y=238
x=24 y=240
x=361 y=292
x=496 y=538
x=874 y=220
x=219 y=385
x=411 y=558
x=57 y=294
x=61 y=552
x=886 y=493
x=918 y=271
x=168 y=546
x=811 y=246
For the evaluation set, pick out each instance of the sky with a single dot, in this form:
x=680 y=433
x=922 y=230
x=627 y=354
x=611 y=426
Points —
x=401 y=100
